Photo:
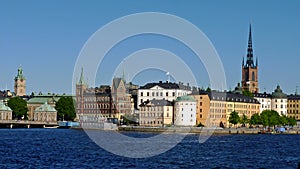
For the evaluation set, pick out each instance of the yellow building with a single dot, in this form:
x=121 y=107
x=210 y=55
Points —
x=293 y=106
x=214 y=108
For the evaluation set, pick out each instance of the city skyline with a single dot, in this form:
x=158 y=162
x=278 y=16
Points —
x=47 y=43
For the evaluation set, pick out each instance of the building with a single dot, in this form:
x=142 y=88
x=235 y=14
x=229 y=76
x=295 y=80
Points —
x=37 y=100
x=20 y=83
x=45 y=113
x=5 y=112
x=156 y=113
x=214 y=108
x=293 y=106
x=249 y=69
x=279 y=101
x=102 y=103
x=265 y=101
x=185 y=111
x=162 y=90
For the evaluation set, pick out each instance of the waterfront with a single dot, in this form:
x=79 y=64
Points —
x=67 y=148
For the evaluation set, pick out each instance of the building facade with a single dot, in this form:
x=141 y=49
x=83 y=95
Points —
x=20 y=83
x=162 y=90
x=249 y=69
x=45 y=113
x=279 y=101
x=265 y=101
x=214 y=108
x=293 y=106
x=5 y=112
x=185 y=111
x=102 y=103
x=156 y=113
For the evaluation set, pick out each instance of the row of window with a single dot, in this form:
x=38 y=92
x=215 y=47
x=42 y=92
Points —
x=152 y=114
x=156 y=108
x=151 y=122
x=157 y=94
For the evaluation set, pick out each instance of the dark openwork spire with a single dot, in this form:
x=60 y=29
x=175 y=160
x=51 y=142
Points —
x=250 y=62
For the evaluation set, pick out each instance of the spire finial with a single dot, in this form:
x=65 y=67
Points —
x=81 y=81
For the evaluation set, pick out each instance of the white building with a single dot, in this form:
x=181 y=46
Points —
x=162 y=90
x=279 y=101
x=185 y=111
x=265 y=101
x=5 y=112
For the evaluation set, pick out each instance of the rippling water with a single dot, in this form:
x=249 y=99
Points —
x=67 y=148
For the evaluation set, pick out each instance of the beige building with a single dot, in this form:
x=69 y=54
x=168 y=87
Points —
x=156 y=113
x=5 y=112
x=293 y=106
x=45 y=113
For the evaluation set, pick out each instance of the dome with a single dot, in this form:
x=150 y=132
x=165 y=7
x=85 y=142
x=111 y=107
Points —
x=45 y=108
x=278 y=93
x=3 y=107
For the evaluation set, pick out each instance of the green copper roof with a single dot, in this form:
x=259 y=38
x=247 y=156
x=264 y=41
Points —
x=20 y=74
x=278 y=93
x=45 y=108
x=3 y=107
x=185 y=98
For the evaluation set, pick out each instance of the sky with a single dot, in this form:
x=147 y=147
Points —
x=46 y=38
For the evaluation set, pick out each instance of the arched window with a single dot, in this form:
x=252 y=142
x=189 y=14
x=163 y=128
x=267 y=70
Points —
x=253 y=76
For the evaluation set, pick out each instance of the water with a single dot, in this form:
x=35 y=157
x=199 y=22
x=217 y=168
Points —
x=67 y=148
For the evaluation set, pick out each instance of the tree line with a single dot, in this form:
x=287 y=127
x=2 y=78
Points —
x=267 y=118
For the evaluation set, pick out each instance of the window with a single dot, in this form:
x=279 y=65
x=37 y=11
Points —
x=141 y=93
x=147 y=93
x=141 y=100
x=156 y=93
x=200 y=115
x=161 y=93
x=173 y=93
x=181 y=115
x=153 y=94
x=167 y=93
x=200 y=103
x=181 y=109
x=200 y=110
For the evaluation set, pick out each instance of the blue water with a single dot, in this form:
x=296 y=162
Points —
x=67 y=148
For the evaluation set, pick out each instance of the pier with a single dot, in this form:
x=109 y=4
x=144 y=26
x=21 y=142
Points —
x=26 y=124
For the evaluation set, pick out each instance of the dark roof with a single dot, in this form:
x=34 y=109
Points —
x=155 y=102
x=293 y=97
x=166 y=85
x=229 y=97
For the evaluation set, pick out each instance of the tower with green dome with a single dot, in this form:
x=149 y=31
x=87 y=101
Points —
x=20 y=83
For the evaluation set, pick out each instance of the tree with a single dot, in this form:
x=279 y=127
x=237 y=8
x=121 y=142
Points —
x=255 y=119
x=208 y=89
x=65 y=107
x=19 y=108
x=247 y=93
x=234 y=118
x=270 y=118
x=244 y=120
x=292 y=121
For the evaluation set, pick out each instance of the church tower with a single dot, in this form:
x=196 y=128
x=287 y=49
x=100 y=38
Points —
x=20 y=83
x=249 y=69
x=80 y=89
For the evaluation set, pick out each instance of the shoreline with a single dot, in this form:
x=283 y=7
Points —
x=198 y=130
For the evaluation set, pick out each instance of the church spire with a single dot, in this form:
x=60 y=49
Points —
x=81 y=81
x=249 y=62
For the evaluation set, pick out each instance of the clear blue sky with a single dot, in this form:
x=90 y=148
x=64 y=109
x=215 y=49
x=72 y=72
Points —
x=45 y=37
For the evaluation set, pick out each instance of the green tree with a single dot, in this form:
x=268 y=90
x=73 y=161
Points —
x=270 y=118
x=255 y=119
x=283 y=120
x=19 y=108
x=244 y=120
x=247 y=93
x=208 y=89
x=65 y=107
x=292 y=121
x=234 y=118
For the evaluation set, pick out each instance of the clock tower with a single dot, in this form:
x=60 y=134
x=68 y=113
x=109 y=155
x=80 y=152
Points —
x=20 y=83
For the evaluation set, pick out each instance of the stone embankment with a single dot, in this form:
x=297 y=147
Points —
x=198 y=130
